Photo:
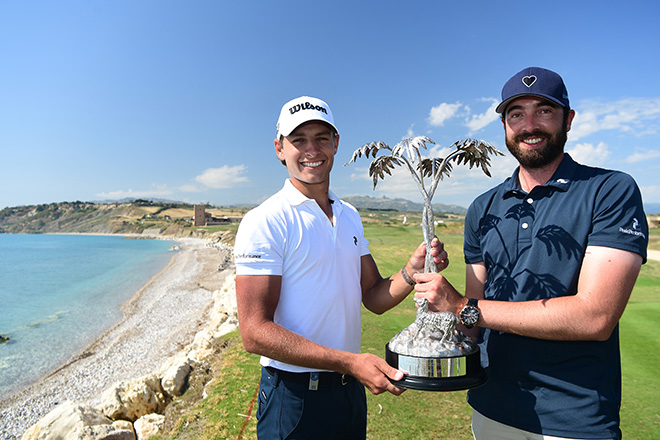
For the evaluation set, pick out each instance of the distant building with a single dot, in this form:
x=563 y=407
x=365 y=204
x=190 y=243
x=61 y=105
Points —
x=203 y=218
x=199 y=216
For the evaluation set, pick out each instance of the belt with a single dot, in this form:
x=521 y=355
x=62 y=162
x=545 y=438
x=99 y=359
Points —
x=325 y=378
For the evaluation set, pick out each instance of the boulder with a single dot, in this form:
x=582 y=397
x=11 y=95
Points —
x=148 y=425
x=73 y=421
x=174 y=378
x=131 y=400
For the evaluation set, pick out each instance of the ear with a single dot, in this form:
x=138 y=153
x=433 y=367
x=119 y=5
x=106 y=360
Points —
x=336 y=138
x=569 y=120
x=279 y=149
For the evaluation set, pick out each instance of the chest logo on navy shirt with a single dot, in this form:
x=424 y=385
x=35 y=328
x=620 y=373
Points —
x=355 y=240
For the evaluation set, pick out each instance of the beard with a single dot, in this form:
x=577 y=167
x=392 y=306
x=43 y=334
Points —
x=539 y=157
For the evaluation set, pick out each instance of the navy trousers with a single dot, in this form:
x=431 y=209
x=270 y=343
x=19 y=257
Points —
x=289 y=409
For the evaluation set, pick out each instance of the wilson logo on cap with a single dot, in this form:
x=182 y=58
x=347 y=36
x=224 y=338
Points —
x=307 y=106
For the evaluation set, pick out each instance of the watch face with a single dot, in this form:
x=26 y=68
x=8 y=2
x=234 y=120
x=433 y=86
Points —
x=470 y=315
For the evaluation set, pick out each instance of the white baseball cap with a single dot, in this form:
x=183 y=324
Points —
x=301 y=110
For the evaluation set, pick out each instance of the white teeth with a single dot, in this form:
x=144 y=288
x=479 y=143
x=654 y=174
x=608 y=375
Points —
x=533 y=141
x=312 y=164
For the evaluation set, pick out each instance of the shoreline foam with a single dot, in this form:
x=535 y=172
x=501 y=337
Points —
x=160 y=318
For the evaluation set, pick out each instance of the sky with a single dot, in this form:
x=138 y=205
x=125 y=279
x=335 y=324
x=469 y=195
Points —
x=103 y=100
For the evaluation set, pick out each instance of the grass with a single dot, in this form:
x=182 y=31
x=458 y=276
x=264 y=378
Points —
x=640 y=357
x=417 y=414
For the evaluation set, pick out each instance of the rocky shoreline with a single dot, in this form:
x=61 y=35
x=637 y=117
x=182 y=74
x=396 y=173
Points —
x=169 y=319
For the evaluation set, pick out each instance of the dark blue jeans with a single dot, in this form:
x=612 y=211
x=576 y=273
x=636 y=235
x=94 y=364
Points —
x=288 y=409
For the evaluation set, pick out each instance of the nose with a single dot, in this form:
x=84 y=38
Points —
x=312 y=146
x=529 y=123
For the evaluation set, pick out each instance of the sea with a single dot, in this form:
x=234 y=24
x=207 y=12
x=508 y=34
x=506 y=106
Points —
x=59 y=293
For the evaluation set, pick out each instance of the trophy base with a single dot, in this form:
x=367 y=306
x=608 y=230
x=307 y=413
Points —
x=438 y=374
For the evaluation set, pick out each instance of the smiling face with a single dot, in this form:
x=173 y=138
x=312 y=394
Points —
x=308 y=153
x=536 y=131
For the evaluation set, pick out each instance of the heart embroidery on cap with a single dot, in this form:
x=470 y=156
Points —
x=529 y=80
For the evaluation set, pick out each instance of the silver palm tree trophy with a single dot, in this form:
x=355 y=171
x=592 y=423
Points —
x=435 y=354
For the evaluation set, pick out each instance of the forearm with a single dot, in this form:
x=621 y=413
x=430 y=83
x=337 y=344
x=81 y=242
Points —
x=276 y=342
x=566 y=318
x=381 y=294
x=386 y=293
x=606 y=281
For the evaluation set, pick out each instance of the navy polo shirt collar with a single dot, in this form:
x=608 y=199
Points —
x=560 y=180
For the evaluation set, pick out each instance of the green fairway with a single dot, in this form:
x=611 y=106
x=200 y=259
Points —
x=424 y=415
x=431 y=415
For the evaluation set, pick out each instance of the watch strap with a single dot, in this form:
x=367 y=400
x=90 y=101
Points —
x=406 y=277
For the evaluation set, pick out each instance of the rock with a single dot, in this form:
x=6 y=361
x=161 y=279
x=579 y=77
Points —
x=131 y=400
x=124 y=425
x=71 y=421
x=106 y=432
x=175 y=377
x=224 y=300
x=228 y=326
x=148 y=425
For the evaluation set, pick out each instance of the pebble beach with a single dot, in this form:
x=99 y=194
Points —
x=160 y=319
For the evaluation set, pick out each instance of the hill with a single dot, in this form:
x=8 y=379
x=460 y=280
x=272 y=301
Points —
x=102 y=218
x=403 y=205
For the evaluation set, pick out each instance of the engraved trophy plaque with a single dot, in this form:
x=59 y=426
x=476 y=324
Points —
x=436 y=356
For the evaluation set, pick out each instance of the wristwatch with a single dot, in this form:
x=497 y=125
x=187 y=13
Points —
x=470 y=314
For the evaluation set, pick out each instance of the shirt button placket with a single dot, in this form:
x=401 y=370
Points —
x=525 y=225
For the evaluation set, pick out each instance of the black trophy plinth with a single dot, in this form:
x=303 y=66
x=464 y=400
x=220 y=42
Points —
x=452 y=373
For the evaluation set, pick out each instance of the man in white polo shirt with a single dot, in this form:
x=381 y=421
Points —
x=303 y=268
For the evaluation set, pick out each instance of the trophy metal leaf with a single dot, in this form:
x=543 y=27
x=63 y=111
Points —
x=436 y=355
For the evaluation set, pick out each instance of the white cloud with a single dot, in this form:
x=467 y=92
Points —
x=410 y=133
x=589 y=154
x=641 y=156
x=223 y=177
x=639 y=116
x=477 y=122
x=216 y=178
x=439 y=114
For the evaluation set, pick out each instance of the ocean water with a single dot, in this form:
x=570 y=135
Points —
x=58 y=293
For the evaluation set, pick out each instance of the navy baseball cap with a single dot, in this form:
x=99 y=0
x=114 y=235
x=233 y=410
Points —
x=537 y=82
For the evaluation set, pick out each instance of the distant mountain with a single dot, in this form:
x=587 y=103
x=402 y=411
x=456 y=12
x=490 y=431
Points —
x=385 y=203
